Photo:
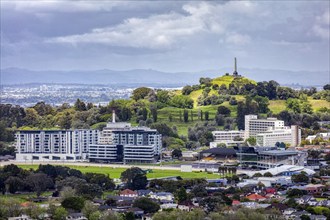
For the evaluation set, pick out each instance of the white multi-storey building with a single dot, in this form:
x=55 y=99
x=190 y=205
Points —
x=54 y=144
x=227 y=137
x=117 y=142
x=254 y=126
x=139 y=144
x=286 y=135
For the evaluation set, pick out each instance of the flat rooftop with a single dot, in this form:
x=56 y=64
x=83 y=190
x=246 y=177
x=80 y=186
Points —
x=278 y=152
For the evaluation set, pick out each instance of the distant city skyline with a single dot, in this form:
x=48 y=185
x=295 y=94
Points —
x=165 y=35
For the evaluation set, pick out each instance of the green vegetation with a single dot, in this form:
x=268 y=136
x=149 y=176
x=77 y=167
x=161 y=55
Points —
x=116 y=172
x=183 y=111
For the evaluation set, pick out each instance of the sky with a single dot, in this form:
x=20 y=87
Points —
x=168 y=36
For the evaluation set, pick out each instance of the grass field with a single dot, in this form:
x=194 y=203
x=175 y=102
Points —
x=115 y=172
x=276 y=106
x=226 y=80
x=317 y=104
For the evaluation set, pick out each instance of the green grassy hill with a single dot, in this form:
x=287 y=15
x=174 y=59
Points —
x=275 y=106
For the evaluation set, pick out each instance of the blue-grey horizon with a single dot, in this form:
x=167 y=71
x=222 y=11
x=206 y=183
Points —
x=171 y=36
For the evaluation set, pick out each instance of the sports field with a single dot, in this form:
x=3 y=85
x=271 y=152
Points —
x=115 y=172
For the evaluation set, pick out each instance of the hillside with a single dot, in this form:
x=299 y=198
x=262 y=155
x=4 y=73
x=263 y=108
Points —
x=275 y=106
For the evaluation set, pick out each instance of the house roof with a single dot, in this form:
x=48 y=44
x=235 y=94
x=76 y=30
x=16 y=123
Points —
x=236 y=202
x=128 y=192
x=255 y=197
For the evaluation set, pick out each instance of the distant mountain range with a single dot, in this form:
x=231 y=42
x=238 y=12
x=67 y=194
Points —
x=11 y=76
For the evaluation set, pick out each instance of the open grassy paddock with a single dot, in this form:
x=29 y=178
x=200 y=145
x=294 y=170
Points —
x=115 y=172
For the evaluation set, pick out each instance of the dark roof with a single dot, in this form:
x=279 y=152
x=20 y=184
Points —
x=220 y=151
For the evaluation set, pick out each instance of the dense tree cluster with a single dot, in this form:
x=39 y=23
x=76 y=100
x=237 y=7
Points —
x=89 y=185
x=202 y=133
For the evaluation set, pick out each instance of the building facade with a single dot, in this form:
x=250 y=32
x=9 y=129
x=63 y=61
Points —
x=54 y=144
x=286 y=135
x=229 y=138
x=139 y=144
x=254 y=126
x=117 y=142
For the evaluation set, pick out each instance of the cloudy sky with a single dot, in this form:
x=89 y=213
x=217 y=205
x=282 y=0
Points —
x=164 y=35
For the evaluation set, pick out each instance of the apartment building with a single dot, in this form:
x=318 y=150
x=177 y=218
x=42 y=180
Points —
x=138 y=144
x=54 y=144
x=117 y=142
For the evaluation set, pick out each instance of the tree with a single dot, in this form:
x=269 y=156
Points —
x=31 y=118
x=199 y=190
x=140 y=93
x=185 y=115
x=39 y=182
x=223 y=110
x=129 y=216
x=181 y=195
x=220 y=120
x=181 y=101
x=154 y=113
x=263 y=103
x=73 y=203
x=164 y=129
x=257 y=175
x=65 y=121
x=240 y=115
x=306 y=107
x=43 y=109
x=268 y=174
x=305 y=217
x=294 y=105
x=176 y=153
x=89 y=209
x=100 y=179
x=295 y=193
x=252 y=141
x=186 y=90
x=134 y=178
x=326 y=87
x=60 y=214
x=80 y=105
x=163 y=96
x=206 y=116
x=299 y=178
x=14 y=184
x=146 y=204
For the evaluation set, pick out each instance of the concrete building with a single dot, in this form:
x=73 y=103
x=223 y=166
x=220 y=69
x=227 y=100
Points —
x=254 y=126
x=117 y=142
x=54 y=144
x=229 y=138
x=286 y=135
x=120 y=142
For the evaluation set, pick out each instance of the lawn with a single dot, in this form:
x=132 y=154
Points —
x=226 y=80
x=276 y=106
x=115 y=172
x=317 y=104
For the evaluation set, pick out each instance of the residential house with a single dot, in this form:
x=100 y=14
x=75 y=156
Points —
x=256 y=197
x=315 y=188
x=318 y=217
x=144 y=192
x=306 y=199
x=128 y=193
x=163 y=196
x=76 y=216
